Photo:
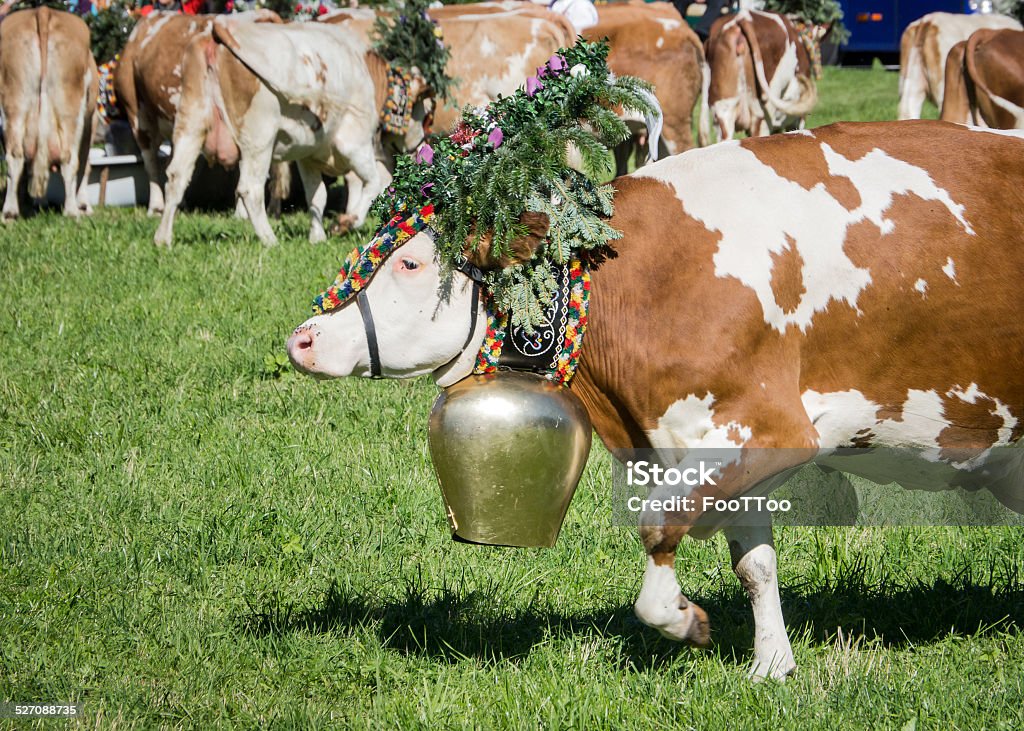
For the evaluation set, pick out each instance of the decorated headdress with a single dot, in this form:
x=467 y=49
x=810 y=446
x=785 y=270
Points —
x=501 y=162
x=408 y=37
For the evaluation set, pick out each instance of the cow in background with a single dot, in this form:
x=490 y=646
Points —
x=148 y=82
x=494 y=48
x=985 y=80
x=241 y=105
x=923 y=50
x=48 y=91
x=760 y=74
x=652 y=42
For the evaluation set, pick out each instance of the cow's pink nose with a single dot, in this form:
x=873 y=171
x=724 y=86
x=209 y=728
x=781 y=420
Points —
x=299 y=345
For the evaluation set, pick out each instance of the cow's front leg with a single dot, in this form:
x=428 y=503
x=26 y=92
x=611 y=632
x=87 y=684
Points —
x=661 y=603
x=316 y=199
x=753 y=559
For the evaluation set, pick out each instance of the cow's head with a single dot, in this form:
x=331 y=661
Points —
x=422 y=315
x=423 y=101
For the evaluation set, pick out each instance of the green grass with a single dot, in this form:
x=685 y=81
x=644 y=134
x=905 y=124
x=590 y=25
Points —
x=191 y=538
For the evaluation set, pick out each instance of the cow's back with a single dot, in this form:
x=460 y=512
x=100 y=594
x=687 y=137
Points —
x=874 y=263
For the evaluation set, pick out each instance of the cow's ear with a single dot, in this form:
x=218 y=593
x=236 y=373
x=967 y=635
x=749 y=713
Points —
x=521 y=249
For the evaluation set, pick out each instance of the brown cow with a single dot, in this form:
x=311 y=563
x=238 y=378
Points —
x=48 y=87
x=923 y=50
x=985 y=80
x=652 y=42
x=148 y=81
x=868 y=295
x=760 y=74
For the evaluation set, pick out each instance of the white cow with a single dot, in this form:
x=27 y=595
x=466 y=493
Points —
x=304 y=92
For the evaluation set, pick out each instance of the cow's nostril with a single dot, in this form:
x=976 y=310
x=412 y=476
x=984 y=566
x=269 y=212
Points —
x=299 y=342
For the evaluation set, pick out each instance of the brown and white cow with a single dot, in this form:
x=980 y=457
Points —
x=985 y=80
x=923 y=50
x=48 y=90
x=868 y=294
x=652 y=42
x=319 y=108
x=148 y=81
x=760 y=74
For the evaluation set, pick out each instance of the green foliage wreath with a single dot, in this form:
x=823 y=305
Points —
x=511 y=158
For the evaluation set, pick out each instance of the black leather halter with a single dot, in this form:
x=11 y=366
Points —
x=363 y=303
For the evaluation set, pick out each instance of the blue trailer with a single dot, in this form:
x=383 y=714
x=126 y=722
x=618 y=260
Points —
x=876 y=25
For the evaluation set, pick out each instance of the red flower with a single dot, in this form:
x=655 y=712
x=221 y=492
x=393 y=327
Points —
x=322 y=10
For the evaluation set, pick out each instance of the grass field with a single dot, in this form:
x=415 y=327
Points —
x=193 y=536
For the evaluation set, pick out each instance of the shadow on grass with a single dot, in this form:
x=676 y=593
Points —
x=449 y=626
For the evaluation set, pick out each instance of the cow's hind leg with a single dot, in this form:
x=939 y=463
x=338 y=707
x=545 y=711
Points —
x=179 y=173
x=15 y=168
x=316 y=199
x=754 y=561
x=147 y=135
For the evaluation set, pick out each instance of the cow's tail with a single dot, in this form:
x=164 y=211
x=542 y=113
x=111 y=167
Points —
x=978 y=83
x=44 y=128
x=704 y=120
x=655 y=120
x=803 y=104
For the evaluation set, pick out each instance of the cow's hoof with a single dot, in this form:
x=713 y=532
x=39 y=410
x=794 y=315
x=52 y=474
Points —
x=317 y=237
x=343 y=225
x=154 y=212
x=700 y=629
x=10 y=216
x=778 y=667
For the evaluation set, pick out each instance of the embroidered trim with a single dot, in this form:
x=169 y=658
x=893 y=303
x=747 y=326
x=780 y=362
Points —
x=575 y=325
x=362 y=262
x=806 y=32
x=397 y=113
x=106 y=101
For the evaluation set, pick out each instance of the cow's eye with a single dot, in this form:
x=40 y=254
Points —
x=410 y=265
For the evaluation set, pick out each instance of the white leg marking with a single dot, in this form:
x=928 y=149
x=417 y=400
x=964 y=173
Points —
x=661 y=603
x=753 y=560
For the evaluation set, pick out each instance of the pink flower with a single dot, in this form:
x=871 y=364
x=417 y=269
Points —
x=557 y=63
x=425 y=155
x=298 y=8
x=322 y=10
x=533 y=85
x=496 y=137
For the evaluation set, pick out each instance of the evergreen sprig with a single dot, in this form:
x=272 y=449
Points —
x=511 y=157
x=407 y=37
x=109 y=29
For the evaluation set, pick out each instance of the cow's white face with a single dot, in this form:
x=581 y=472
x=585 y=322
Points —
x=422 y=321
